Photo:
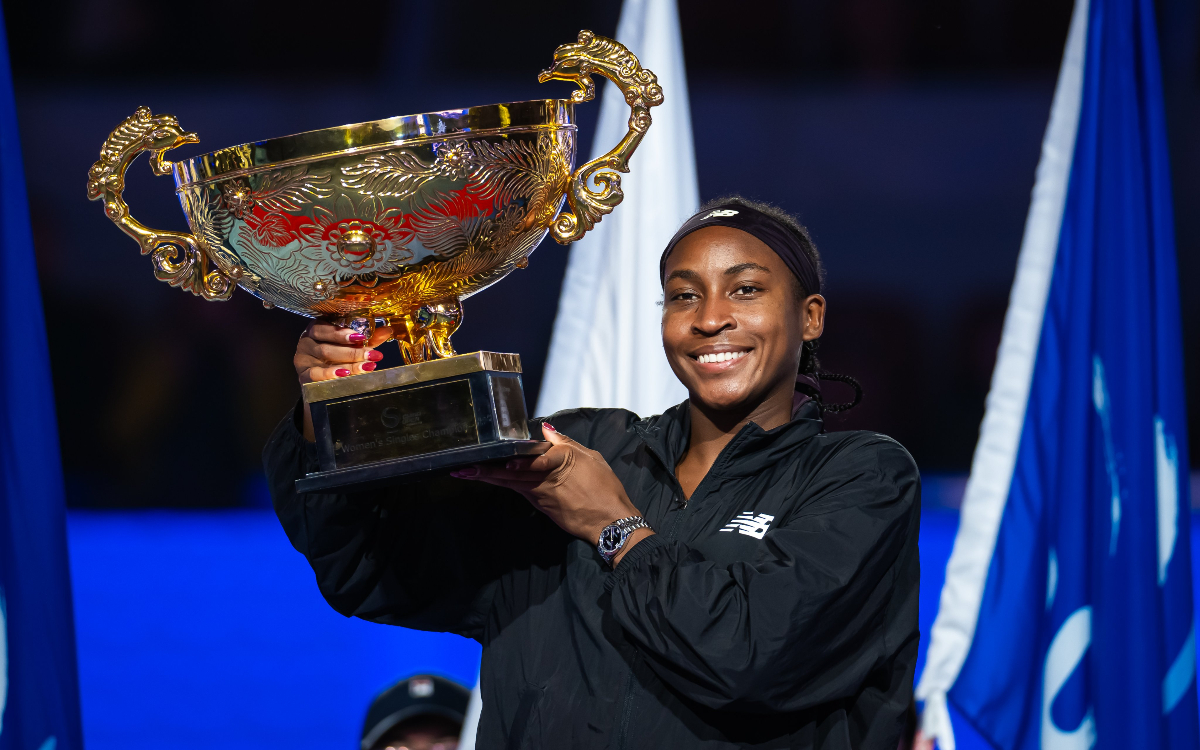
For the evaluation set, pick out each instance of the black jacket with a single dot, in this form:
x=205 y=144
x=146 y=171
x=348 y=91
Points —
x=776 y=609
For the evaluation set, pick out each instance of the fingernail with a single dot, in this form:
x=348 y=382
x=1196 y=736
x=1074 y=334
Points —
x=467 y=472
x=374 y=355
x=358 y=338
x=341 y=372
x=549 y=426
x=368 y=366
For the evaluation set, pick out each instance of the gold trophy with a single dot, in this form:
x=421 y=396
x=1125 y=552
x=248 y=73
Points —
x=392 y=222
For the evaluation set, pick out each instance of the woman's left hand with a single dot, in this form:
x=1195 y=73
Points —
x=572 y=484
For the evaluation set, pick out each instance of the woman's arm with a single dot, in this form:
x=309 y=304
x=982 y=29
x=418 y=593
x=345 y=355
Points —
x=831 y=599
x=424 y=555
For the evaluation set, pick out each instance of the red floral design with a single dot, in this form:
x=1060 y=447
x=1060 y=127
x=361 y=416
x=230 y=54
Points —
x=271 y=230
x=352 y=240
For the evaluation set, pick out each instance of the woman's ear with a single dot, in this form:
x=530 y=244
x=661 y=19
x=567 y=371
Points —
x=814 y=317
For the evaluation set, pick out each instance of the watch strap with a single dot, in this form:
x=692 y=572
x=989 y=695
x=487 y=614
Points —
x=625 y=526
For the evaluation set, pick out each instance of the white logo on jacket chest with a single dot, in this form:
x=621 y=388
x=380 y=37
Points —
x=749 y=524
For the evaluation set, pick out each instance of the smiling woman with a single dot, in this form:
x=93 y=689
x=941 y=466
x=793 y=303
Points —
x=742 y=314
x=794 y=248
x=724 y=574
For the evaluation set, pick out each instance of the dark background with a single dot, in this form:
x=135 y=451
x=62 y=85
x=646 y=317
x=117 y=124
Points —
x=904 y=133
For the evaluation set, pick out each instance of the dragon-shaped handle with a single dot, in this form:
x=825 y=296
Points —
x=179 y=259
x=577 y=62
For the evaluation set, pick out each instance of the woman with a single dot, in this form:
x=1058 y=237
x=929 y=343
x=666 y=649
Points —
x=726 y=574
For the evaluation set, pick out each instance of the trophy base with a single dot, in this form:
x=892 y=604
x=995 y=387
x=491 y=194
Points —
x=397 y=424
x=400 y=470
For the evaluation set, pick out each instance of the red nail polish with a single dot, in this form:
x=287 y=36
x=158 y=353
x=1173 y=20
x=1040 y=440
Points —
x=368 y=366
x=358 y=338
x=549 y=426
x=341 y=372
x=374 y=355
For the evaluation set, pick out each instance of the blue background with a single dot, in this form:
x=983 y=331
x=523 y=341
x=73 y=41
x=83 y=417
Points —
x=202 y=629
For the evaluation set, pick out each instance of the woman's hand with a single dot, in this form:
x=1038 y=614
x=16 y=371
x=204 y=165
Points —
x=572 y=484
x=327 y=351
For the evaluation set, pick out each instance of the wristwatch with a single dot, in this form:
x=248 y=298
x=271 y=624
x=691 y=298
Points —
x=613 y=536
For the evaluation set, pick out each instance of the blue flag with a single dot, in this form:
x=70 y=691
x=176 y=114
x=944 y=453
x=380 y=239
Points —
x=39 y=686
x=1066 y=618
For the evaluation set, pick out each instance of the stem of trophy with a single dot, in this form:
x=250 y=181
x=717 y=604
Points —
x=424 y=334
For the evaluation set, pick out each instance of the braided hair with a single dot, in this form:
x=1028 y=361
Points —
x=809 y=364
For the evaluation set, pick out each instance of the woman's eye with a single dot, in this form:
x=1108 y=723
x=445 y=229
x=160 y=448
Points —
x=747 y=289
x=684 y=297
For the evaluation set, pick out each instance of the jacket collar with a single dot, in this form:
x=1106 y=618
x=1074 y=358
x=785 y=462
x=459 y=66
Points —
x=751 y=451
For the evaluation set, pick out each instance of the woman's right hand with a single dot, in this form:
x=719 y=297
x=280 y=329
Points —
x=327 y=351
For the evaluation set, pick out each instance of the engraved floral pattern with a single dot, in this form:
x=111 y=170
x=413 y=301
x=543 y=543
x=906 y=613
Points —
x=455 y=158
x=400 y=174
x=238 y=198
x=393 y=230
x=454 y=224
x=208 y=218
x=291 y=189
x=355 y=239
x=270 y=230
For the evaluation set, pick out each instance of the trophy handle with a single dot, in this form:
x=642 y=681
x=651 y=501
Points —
x=178 y=258
x=577 y=62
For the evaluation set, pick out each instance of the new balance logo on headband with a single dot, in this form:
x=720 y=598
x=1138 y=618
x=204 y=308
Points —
x=721 y=212
x=749 y=524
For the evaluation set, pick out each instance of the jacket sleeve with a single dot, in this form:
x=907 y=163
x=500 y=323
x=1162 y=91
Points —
x=423 y=555
x=830 y=598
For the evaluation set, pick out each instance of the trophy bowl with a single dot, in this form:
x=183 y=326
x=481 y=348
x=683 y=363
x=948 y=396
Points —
x=392 y=222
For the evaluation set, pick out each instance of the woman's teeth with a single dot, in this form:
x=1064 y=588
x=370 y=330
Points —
x=707 y=359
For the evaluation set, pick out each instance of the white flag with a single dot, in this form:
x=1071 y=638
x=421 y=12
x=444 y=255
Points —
x=607 y=343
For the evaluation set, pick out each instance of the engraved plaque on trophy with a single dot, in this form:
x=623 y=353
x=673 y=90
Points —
x=423 y=417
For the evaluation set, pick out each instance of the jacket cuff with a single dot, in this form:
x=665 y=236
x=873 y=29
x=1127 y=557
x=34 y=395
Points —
x=640 y=551
x=293 y=433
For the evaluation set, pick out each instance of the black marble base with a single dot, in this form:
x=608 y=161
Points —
x=414 y=468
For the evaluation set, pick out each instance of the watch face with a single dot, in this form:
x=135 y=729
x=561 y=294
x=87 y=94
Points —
x=610 y=539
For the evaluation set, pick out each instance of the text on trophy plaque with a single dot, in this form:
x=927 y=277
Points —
x=403 y=423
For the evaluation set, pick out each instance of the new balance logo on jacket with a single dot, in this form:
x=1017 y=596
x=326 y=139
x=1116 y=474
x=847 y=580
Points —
x=749 y=524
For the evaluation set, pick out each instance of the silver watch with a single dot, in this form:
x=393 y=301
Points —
x=613 y=537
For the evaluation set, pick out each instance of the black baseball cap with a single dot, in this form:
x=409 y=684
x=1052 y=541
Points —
x=419 y=695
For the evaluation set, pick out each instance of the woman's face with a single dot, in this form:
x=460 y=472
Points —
x=732 y=325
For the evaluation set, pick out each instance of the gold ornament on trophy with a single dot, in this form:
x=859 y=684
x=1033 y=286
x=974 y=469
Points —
x=392 y=222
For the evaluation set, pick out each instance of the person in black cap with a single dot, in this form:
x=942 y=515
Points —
x=424 y=712
x=724 y=575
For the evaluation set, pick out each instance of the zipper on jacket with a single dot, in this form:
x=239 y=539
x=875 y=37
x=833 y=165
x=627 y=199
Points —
x=678 y=515
x=681 y=504
x=677 y=499
x=627 y=704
